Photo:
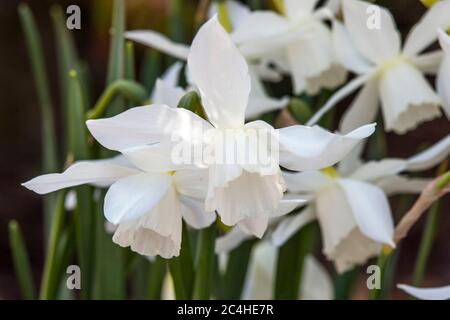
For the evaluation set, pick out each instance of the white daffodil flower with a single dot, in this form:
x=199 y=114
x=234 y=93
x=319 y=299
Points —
x=316 y=283
x=443 y=78
x=302 y=40
x=259 y=101
x=352 y=207
x=439 y=293
x=237 y=190
x=145 y=202
x=390 y=75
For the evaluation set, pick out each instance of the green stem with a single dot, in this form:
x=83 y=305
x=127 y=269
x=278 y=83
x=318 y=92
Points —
x=21 y=261
x=233 y=280
x=157 y=273
x=382 y=262
x=431 y=226
x=426 y=244
x=131 y=90
x=205 y=263
x=175 y=269
x=444 y=181
x=49 y=276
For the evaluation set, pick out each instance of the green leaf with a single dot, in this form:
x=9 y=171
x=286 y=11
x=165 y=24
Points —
x=110 y=276
x=205 y=263
x=344 y=283
x=66 y=55
x=32 y=37
x=300 y=110
x=233 y=280
x=49 y=283
x=290 y=263
x=151 y=69
x=48 y=135
x=116 y=61
x=21 y=261
x=79 y=149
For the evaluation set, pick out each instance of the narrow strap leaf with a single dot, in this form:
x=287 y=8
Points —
x=21 y=261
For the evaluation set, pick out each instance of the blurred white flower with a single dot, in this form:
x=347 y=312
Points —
x=259 y=102
x=298 y=41
x=147 y=203
x=438 y=293
x=316 y=283
x=389 y=74
x=351 y=203
x=443 y=78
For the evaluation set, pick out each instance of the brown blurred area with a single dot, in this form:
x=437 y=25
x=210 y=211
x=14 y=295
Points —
x=20 y=127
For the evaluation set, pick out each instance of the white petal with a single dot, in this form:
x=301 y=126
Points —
x=374 y=170
x=70 y=201
x=158 y=232
x=295 y=9
x=430 y=157
x=310 y=148
x=132 y=197
x=371 y=210
x=291 y=225
x=346 y=52
x=191 y=183
x=376 y=44
x=424 y=32
x=145 y=125
x=364 y=108
x=439 y=293
x=160 y=42
x=305 y=182
x=254 y=226
x=193 y=211
x=310 y=57
x=236 y=11
x=316 y=281
x=221 y=75
x=249 y=195
x=406 y=106
x=259 y=283
x=443 y=78
x=260 y=26
x=342 y=240
x=352 y=161
x=402 y=185
x=231 y=240
x=259 y=102
x=338 y=96
x=156 y=158
x=166 y=94
x=97 y=172
x=428 y=62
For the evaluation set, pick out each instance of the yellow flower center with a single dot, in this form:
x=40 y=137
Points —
x=330 y=172
x=392 y=63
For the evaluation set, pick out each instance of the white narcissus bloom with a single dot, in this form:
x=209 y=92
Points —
x=146 y=202
x=302 y=40
x=236 y=191
x=443 y=78
x=389 y=74
x=316 y=283
x=351 y=205
x=438 y=293
x=259 y=102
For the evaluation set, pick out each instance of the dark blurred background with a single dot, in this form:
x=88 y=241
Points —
x=20 y=125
